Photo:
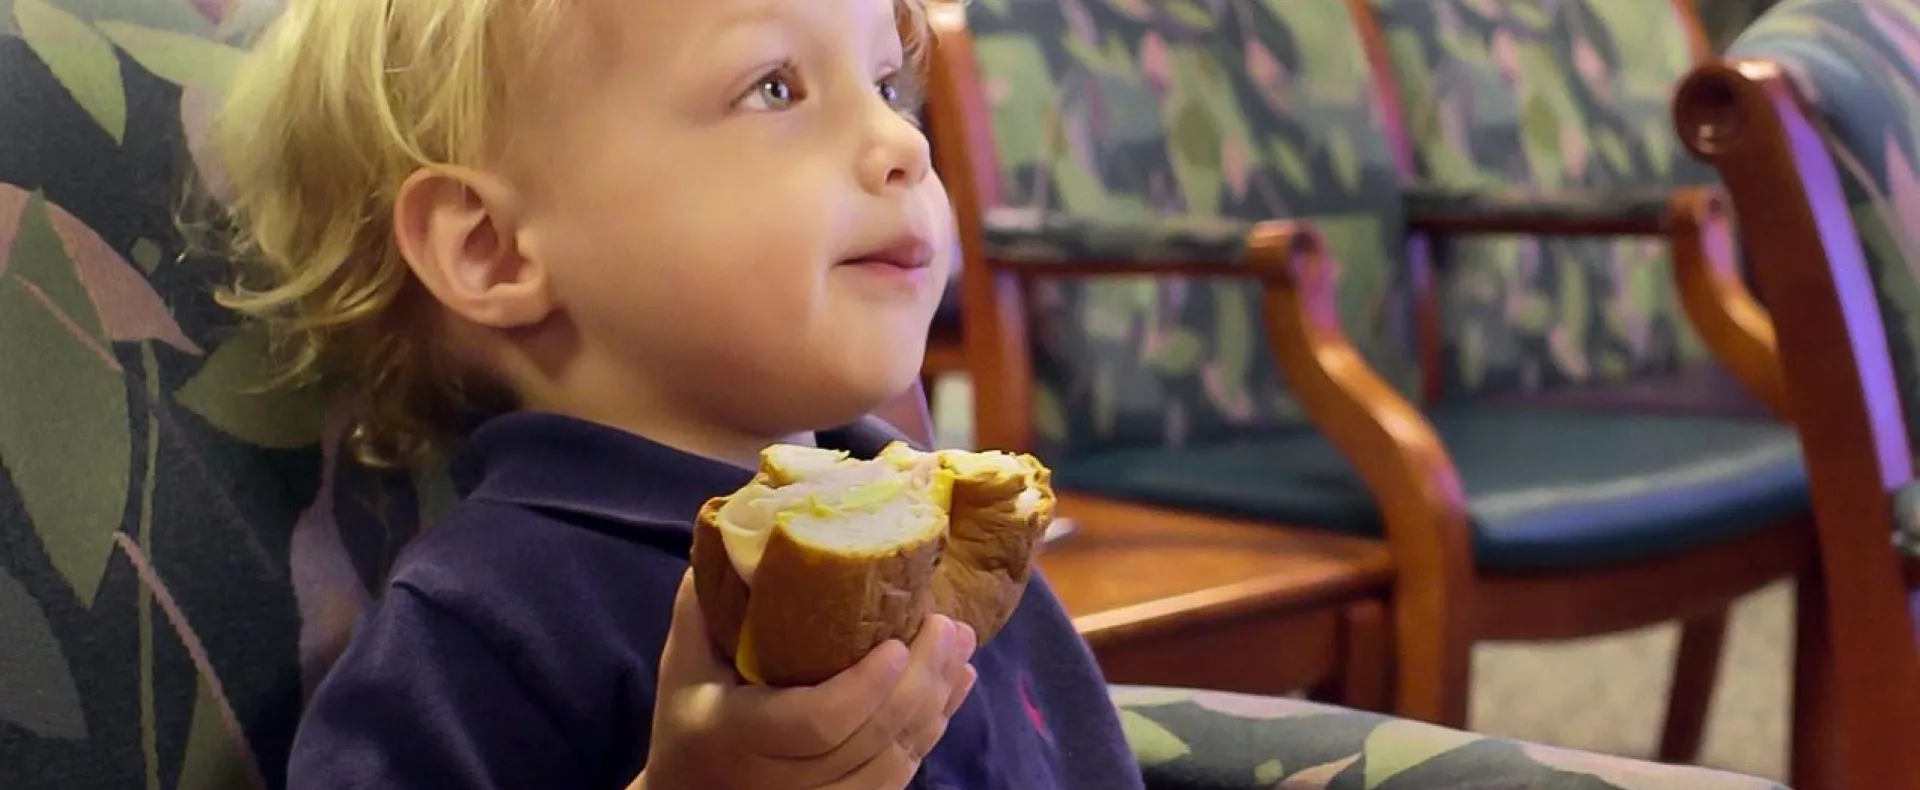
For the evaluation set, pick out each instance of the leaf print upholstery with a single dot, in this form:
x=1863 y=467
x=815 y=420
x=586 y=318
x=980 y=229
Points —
x=1137 y=123
x=180 y=556
x=1203 y=739
x=1548 y=96
x=1857 y=68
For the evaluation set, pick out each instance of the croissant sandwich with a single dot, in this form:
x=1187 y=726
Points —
x=823 y=557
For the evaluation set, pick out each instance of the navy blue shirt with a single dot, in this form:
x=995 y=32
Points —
x=517 y=642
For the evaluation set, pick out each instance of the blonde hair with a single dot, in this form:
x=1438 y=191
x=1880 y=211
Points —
x=339 y=103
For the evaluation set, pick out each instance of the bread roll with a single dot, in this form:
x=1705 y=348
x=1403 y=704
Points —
x=823 y=557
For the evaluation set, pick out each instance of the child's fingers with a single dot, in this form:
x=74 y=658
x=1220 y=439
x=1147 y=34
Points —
x=893 y=768
x=961 y=688
x=689 y=657
x=919 y=697
x=800 y=723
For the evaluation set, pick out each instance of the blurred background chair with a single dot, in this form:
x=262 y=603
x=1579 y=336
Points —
x=1108 y=162
x=1814 y=123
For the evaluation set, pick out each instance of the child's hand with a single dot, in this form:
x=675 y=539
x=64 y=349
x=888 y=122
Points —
x=867 y=728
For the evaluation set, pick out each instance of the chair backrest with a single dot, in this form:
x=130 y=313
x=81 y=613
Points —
x=1814 y=121
x=1857 y=65
x=1725 y=19
x=1548 y=95
x=1248 y=110
x=179 y=559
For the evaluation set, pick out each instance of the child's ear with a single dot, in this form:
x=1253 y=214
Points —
x=457 y=229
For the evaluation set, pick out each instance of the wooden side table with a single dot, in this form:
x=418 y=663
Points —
x=1170 y=598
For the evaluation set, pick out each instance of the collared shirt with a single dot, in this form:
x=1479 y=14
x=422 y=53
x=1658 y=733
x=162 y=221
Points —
x=517 y=642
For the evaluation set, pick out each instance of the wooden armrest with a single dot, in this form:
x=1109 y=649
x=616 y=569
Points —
x=1696 y=225
x=1450 y=212
x=1396 y=450
x=1716 y=298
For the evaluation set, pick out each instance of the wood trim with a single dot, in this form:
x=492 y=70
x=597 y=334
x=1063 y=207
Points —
x=994 y=333
x=1746 y=118
x=1397 y=453
x=1471 y=224
x=944 y=355
x=1707 y=276
x=1582 y=603
x=1697 y=39
x=1429 y=333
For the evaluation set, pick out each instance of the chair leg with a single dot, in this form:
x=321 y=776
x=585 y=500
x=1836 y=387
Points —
x=1362 y=682
x=1369 y=653
x=1814 y=749
x=1432 y=661
x=1696 y=670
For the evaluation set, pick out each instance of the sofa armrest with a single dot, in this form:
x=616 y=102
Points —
x=1190 y=740
x=1694 y=221
x=1044 y=243
x=1446 y=212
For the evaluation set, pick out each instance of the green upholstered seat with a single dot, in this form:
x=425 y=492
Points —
x=1546 y=488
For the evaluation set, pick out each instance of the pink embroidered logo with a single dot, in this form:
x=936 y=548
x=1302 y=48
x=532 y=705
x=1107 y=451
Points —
x=1033 y=711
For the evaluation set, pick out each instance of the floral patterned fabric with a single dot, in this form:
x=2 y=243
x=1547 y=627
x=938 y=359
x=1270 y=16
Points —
x=1548 y=96
x=1726 y=19
x=181 y=557
x=1857 y=63
x=1107 y=113
x=1265 y=743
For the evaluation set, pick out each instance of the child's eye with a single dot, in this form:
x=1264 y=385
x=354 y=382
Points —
x=779 y=90
x=900 y=93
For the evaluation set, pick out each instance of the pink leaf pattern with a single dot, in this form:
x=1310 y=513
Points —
x=1268 y=74
x=1080 y=22
x=1903 y=191
x=1575 y=149
x=1897 y=30
x=1568 y=355
x=1236 y=164
x=1593 y=69
x=1614 y=771
x=213 y=10
x=196 y=651
x=197 y=108
x=128 y=306
x=1319 y=777
x=1507 y=54
x=1228 y=396
x=1156 y=62
x=13 y=205
x=325 y=584
x=1245 y=706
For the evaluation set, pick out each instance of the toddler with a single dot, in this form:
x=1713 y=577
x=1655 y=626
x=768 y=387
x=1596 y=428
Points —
x=605 y=252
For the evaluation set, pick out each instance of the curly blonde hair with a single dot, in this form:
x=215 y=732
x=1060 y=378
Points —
x=340 y=102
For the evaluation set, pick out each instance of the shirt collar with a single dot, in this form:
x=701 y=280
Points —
x=554 y=462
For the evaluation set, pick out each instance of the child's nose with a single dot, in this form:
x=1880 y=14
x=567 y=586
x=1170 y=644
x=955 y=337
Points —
x=897 y=155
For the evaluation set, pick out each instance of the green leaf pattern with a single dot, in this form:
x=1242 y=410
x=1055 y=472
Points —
x=1185 y=112
x=1192 y=739
x=1548 y=95
x=1854 y=62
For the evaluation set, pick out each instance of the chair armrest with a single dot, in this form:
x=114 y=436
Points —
x=1394 y=447
x=1043 y=243
x=1694 y=221
x=1446 y=212
x=1189 y=740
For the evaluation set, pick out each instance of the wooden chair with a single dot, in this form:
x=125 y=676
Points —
x=1812 y=125
x=1370 y=461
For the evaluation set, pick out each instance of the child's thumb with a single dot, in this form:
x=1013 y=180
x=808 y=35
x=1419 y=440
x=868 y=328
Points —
x=690 y=655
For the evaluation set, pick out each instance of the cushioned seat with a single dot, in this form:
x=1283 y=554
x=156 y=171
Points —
x=1616 y=487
